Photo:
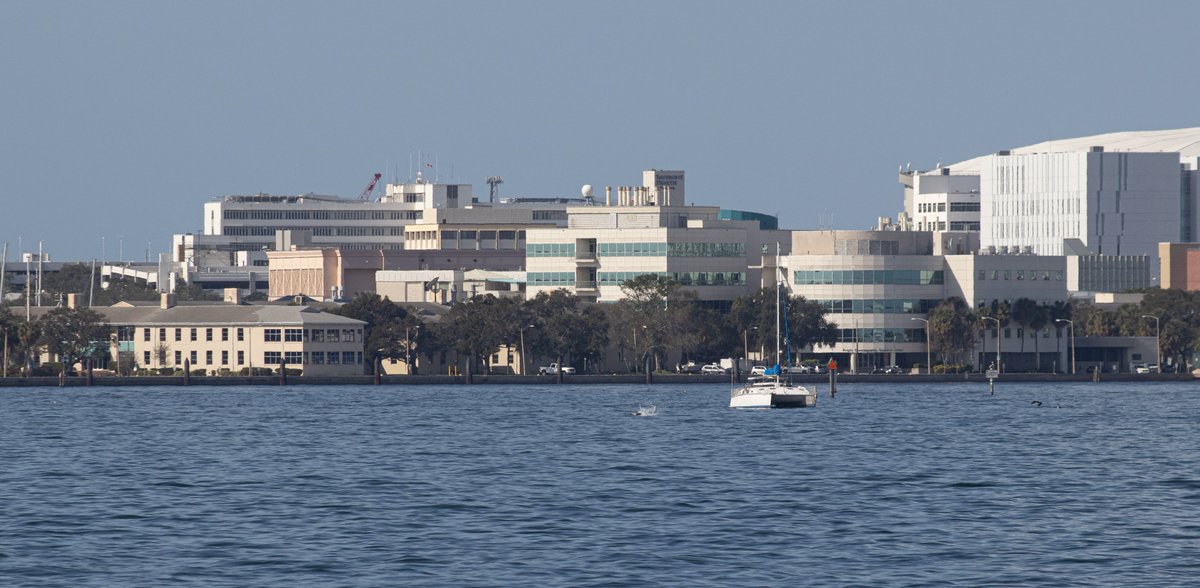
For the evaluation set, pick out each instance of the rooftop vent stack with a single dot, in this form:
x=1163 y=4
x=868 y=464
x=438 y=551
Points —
x=1004 y=153
x=945 y=171
x=166 y=300
x=608 y=195
x=1097 y=149
x=233 y=295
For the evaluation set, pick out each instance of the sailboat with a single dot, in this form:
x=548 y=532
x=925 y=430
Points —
x=772 y=390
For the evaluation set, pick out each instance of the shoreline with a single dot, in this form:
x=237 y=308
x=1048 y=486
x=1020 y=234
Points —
x=590 y=379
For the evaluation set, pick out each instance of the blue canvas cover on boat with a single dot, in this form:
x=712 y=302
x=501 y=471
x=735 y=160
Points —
x=772 y=371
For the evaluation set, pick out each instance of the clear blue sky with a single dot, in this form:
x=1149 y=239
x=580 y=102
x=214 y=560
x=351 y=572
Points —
x=121 y=118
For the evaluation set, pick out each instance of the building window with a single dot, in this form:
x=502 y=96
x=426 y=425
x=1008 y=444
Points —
x=332 y=335
x=241 y=357
x=318 y=358
x=348 y=335
x=193 y=333
x=271 y=335
x=333 y=357
x=348 y=357
x=318 y=336
x=224 y=358
x=208 y=334
x=240 y=335
x=162 y=334
x=146 y=354
x=293 y=357
x=271 y=358
x=195 y=360
x=982 y=275
x=293 y=335
x=208 y=358
x=178 y=334
x=178 y=357
x=225 y=333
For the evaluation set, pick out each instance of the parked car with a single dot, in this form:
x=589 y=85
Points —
x=893 y=369
x=1141 y=368
x=690 y=367
x=553 y=369
x=713 y=368
x=758 y=370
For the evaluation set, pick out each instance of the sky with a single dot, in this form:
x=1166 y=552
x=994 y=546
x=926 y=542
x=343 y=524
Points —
x=120 y=119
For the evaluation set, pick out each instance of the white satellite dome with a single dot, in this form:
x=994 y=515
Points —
x=586 y=190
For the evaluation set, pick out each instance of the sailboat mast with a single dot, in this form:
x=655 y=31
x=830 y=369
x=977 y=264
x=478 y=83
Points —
x=777 y=303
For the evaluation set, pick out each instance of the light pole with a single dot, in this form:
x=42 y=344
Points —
x=1157 y=342
x=1072 y=324
x=746 y=343
x=522 y=329
x=988 y=318
x=928 y=347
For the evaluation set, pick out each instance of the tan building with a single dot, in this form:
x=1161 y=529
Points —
x=334 y=274
x=1179 y=265
x=225 y=337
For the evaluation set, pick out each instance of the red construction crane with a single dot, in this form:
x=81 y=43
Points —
x=366 y=193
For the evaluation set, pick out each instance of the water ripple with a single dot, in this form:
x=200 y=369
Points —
x=898 y=485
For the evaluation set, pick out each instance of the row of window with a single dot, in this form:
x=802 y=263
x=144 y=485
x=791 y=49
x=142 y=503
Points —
x=550 y=279
x=881 y=335
x=964 y=226
x=672 y=249
x=273 y=358
x=1043 y=275
x=866 y=247
x=879 y=306
x=684 y=278
x=316 y=231
x=482 y=235
x=954 y=207
x=550 y=250
x=126 y=333
x=642 y=249
x=194 y=358
x=313 y=335
x=319 y=214
x=535 y=279
x=895 y=277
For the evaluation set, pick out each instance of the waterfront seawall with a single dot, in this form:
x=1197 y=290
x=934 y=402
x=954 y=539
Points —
x=483 y=380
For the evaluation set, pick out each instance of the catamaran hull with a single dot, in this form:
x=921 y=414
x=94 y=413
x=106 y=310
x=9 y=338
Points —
x=773 y=400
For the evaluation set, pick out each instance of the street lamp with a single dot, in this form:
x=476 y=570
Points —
x=1072 y=324
x=989 y=318
x=1157 y=342
x=522 y=329
x=928 y=347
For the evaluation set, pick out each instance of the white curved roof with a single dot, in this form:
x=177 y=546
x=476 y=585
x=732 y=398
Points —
x=1186 y=142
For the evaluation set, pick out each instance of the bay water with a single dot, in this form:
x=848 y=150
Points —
x=901 y=484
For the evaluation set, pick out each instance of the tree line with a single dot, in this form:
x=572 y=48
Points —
x=657 y=319
x=955 y=328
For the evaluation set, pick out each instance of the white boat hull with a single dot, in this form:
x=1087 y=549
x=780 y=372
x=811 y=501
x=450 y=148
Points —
x=772 y=397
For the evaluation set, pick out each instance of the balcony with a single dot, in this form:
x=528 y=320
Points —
x=585 y=286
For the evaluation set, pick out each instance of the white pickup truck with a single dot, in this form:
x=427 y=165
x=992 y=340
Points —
x=553 y=369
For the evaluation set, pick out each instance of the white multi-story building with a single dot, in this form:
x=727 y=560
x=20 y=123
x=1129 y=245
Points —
x=940 y=201
x=1116 y=194
x=649 y=230
x=878 y=287
x=238 y=230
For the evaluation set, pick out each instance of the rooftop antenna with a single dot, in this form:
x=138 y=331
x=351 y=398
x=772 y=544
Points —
x=493 y=183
